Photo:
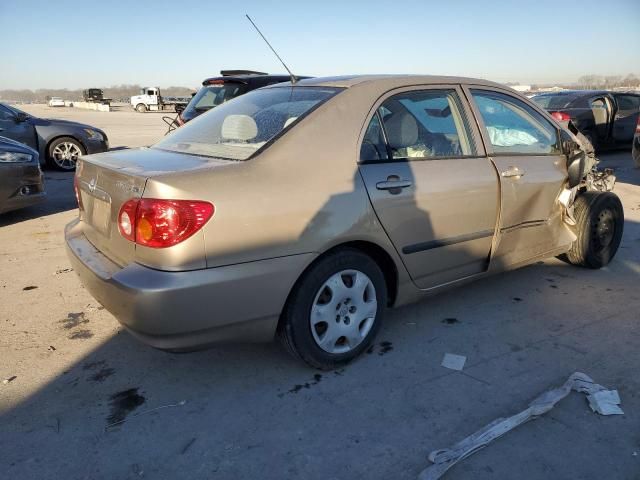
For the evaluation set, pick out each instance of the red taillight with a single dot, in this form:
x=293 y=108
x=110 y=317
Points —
x=160 y=223
x=561 y=116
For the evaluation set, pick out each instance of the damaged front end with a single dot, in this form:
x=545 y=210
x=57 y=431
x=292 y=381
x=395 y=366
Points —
x=583 y=172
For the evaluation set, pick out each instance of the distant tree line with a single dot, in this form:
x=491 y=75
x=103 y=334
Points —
x=118 y=93
x=590 y=82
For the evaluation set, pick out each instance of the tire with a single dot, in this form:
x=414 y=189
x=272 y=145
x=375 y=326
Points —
x=600 y=222
x=324 y=344
x=141 y=108
x=63 y=152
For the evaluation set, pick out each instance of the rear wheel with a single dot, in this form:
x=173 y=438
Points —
x=141 y=108
x=335 y=310
x=64 y=152
x=600 y=222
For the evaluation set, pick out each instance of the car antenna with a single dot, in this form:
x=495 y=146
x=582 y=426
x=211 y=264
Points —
x=293 y=77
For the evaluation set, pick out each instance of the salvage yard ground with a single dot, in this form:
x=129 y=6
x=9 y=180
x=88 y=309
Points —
x=83 y=399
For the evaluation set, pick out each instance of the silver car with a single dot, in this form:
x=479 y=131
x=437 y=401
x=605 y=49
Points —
x=304 y=211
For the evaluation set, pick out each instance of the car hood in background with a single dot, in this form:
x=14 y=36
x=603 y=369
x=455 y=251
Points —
x=54 y=122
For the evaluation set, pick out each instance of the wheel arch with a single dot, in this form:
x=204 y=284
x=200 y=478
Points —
x=377 y=253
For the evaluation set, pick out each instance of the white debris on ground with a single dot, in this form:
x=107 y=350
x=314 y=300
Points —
x=601 y=400
x=605 y=402
x=453 y=361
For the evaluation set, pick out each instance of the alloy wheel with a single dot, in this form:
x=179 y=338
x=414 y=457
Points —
x=65 y=155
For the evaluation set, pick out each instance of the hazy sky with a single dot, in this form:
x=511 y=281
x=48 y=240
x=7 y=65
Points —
x=73 y=44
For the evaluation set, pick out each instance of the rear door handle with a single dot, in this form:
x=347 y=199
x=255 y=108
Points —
x=512 y=172
x=391 y=184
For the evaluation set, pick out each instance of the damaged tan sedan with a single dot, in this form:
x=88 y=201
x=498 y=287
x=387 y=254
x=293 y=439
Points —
x=304 y=210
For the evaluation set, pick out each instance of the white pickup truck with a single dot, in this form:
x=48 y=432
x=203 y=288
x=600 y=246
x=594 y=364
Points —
x=150 y=98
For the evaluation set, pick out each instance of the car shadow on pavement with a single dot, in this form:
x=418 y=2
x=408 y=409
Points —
x=250 y=411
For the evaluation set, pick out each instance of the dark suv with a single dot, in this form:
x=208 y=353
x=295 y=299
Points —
x=231 y=84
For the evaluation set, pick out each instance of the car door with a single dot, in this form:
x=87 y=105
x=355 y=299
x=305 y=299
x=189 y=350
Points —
x=430 y=183
x=626 y=117
x=525 y=148
x=20 y=131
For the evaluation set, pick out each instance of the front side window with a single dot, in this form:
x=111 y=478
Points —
x=421 y=124
x=238 y=129
x=513 y=127
x=628 y=102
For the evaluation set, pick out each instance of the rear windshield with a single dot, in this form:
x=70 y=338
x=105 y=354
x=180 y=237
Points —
x=238 y=129
x=549 y=102
x=212 y=96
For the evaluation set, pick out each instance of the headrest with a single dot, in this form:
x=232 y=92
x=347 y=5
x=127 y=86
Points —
x=239 y=127
x=402 y=130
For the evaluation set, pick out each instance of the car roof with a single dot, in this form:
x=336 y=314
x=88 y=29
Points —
x=248 y=78
x=391 y=81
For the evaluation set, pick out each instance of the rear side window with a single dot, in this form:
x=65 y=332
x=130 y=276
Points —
x=513 y=127
x=418 y=125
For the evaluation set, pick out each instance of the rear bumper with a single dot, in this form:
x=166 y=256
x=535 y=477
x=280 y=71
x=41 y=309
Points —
x=192 y=309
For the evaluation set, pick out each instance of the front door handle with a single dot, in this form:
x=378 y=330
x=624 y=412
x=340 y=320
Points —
x=394 y=184
x=512 y=172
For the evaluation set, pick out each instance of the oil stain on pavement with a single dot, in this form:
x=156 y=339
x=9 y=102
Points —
x=123 y=403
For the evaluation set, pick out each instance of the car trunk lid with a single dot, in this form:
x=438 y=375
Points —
x=105 y=182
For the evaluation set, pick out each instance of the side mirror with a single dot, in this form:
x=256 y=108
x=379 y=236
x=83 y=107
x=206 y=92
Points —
x=21 y=117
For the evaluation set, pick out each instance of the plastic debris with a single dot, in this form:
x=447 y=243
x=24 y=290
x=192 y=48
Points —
x=601 y=400
x=453 y=361
x=605 y=402
x=10 y=379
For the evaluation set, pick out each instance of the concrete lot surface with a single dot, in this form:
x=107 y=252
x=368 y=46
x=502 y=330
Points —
x=250 y=411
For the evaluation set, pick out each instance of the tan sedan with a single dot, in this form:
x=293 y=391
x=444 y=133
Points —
x=305 y=210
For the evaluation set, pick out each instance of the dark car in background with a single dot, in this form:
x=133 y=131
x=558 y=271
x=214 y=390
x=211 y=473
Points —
x=59 y=143
x=21 y=180
x=635 y=150
x=607 y=119
x=231 y=84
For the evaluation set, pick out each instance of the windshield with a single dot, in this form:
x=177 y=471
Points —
x=553 y=101
x=237 y=129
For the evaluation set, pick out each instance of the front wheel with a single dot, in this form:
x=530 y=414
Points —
x=64 y=153
x=600 y=222
x=335 y=310
x=141 y=108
